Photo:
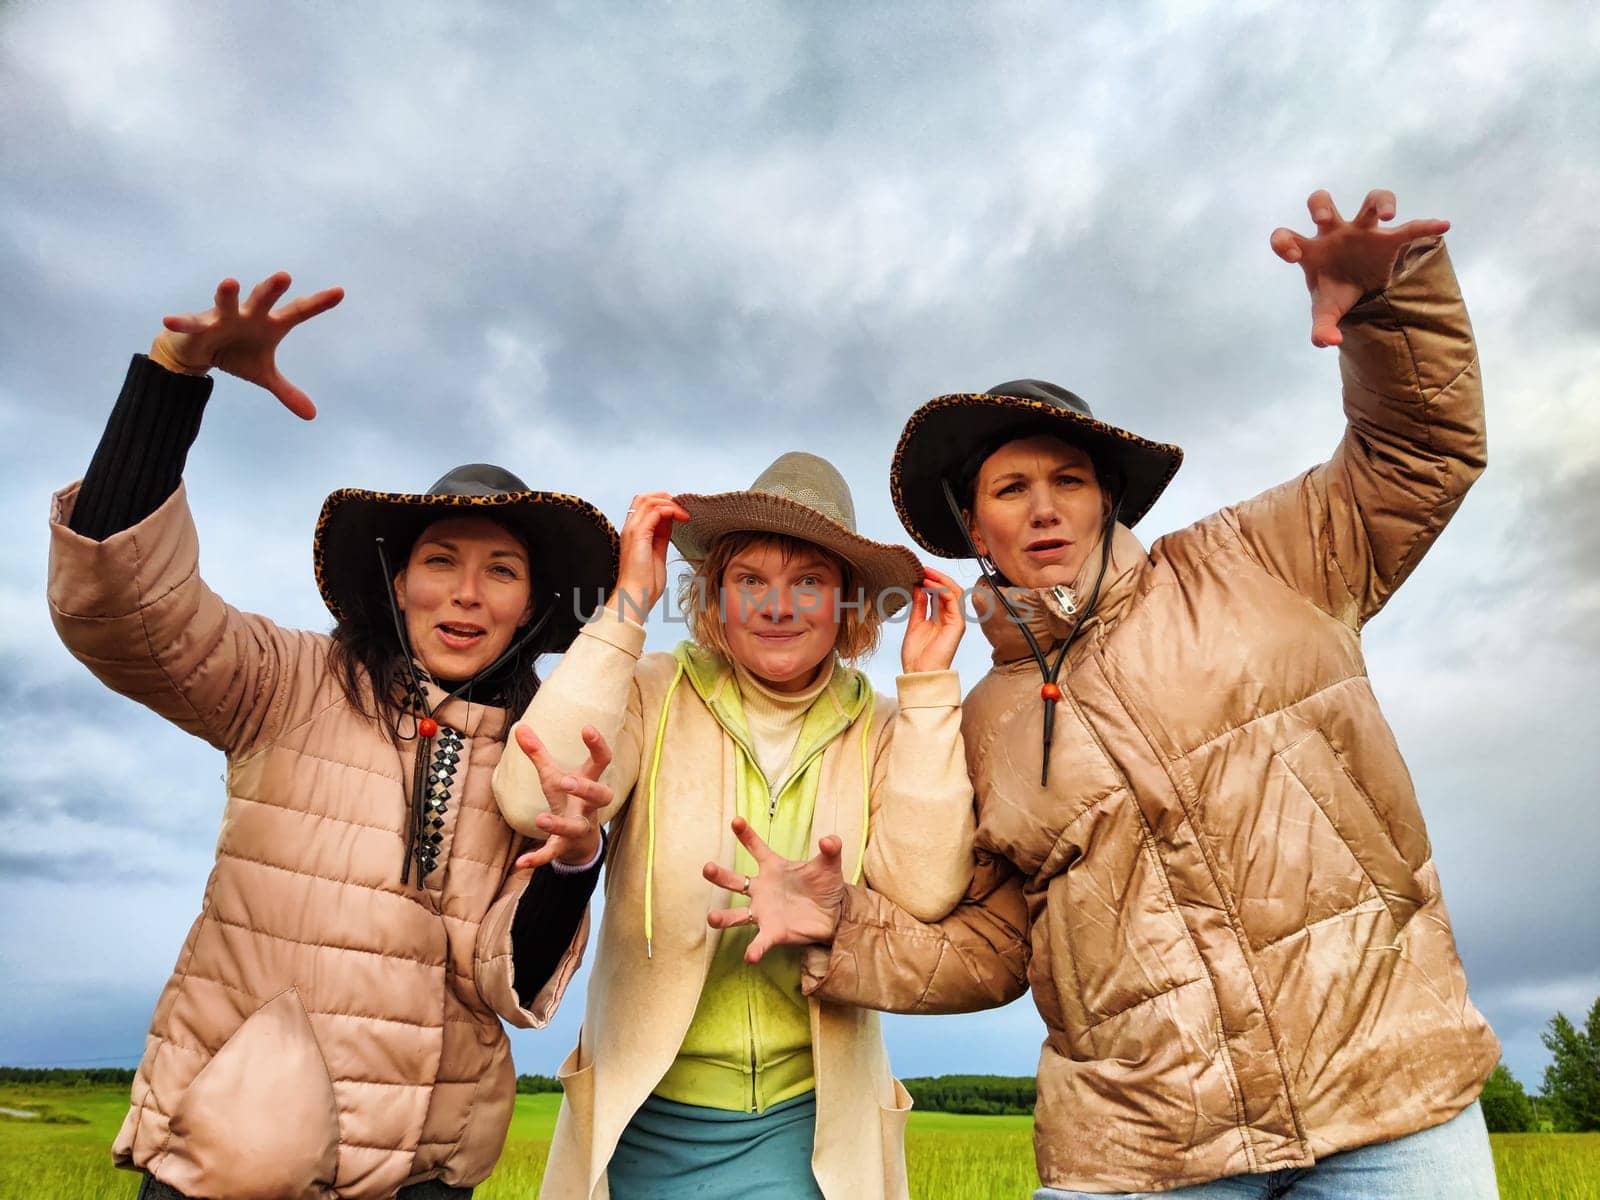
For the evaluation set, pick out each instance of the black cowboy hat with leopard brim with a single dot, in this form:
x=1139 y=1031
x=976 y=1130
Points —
x=940 y=438
x=573 y=548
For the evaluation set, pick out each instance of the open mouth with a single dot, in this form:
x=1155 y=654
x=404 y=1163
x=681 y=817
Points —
x=1047 y=547
x=459 y=636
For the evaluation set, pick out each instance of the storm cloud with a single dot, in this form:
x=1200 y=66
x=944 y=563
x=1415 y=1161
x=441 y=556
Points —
x=628 y=247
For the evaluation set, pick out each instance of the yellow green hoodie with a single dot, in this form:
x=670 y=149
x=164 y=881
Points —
x=749 y=1044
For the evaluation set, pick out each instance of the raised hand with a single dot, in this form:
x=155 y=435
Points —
x=936 y=625
x=646 y=534
x=791 y=903
x=242 y=339
x=574 y=798
x=1347 y=259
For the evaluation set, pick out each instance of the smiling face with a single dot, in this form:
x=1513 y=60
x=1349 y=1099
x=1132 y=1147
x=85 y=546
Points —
x=780 y=611
x=1038 y=510
x=465 y=591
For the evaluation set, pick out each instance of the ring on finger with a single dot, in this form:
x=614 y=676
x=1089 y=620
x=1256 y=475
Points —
x=744 y=888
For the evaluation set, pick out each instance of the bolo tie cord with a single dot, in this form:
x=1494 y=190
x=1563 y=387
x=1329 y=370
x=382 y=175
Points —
x=1050 y=689
x=426 y=728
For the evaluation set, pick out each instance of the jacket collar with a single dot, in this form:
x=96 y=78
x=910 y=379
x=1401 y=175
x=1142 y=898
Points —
x=714 y=681
x=1051 y=613
x=466 y=717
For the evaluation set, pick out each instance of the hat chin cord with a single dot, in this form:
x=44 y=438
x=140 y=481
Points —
x=419 y=770
x=1050 y=689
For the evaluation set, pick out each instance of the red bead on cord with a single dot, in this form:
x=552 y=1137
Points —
x=1050 y=691
x=427 y=727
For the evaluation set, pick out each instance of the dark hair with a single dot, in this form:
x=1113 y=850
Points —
x=371 y=667
x=965 y=483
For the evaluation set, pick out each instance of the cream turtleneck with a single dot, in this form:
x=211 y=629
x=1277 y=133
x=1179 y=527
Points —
x=774 y=718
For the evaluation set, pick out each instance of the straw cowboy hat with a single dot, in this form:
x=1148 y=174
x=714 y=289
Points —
x=801 y=496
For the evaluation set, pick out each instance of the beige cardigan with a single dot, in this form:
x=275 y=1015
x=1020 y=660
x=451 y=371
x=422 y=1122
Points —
x=919 y=849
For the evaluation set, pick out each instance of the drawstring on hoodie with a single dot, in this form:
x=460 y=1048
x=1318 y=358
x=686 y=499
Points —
x=1050 y=689
x=426 y=728
x=650 y=809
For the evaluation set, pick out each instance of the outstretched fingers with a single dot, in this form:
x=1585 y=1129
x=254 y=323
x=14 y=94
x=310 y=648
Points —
x=1379 y=205
x=763 y=941
x=724 y=878
x=1325 y=313
x=751 y=841
x=829 y=852
x=541 y=857
x=226 y=299
x=729 y=918
x=291 y=397
x=1288 y=245
x=1324 y=213
x=187 y=322
x=1423 y=228
x=267 y=293
x=303 y=308
x=599 y=753
x=533 y=747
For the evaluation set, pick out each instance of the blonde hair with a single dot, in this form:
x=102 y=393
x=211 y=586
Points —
x=700 y=594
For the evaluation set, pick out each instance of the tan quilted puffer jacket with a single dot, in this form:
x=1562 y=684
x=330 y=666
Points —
x=327 y=1030
x=1225 y=901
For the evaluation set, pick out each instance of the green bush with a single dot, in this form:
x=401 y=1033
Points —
x=1506 y=1107
x=1572 y=1080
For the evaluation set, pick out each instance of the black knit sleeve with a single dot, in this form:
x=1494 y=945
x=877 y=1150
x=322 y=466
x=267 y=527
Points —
x=547 y=917
x=141 y=455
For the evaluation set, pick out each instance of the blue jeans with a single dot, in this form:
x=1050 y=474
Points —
x=1448 y=1162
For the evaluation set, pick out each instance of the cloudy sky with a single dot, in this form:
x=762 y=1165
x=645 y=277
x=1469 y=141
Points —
x=626 y=247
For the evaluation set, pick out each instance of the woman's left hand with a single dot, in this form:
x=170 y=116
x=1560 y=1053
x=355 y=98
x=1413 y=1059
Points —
x=791 y=903
x=573 y=833
x=1347 y=259
x=936 y=625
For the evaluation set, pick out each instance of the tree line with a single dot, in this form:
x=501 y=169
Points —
x=1569 y=1101
x=980 y=1095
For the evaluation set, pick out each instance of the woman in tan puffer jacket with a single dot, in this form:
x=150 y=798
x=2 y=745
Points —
x=332 y=1026
x=1198 y=841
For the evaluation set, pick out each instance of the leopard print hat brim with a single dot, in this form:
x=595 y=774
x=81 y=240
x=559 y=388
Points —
x=574 y=549
x=941 y=435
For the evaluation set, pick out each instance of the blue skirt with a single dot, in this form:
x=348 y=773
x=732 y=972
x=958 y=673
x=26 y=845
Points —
x=672 y=1151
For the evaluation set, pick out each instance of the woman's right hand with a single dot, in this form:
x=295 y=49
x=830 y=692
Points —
x=571 y=827
x=646 y=534
x=242 y=339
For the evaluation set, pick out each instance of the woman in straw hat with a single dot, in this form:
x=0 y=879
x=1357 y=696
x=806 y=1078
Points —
x=701 y=1071
x=1197 y=838
x=333 y=1023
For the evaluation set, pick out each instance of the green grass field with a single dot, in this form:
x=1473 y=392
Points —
x=62 y=1154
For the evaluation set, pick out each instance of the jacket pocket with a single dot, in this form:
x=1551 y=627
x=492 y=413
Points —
x=574 y=1136
x=1316 y=767
x=259 y=1121
x=892 y=1119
